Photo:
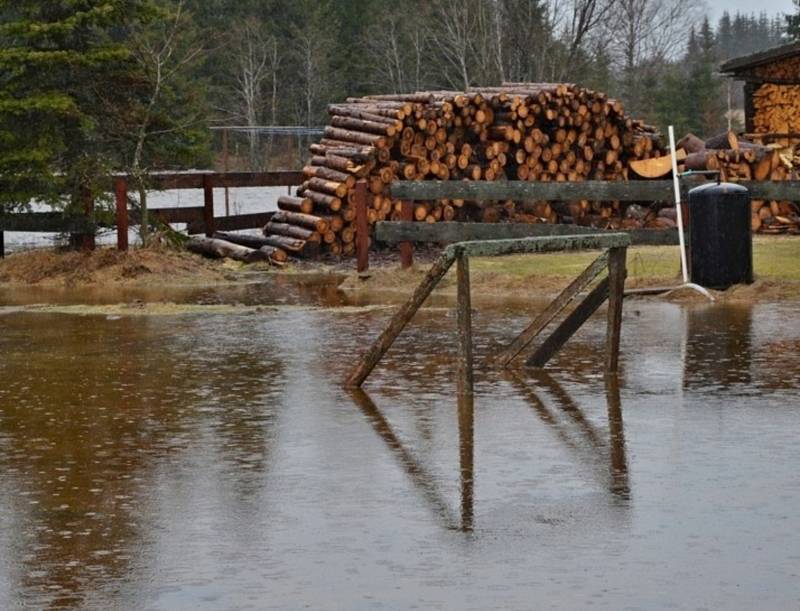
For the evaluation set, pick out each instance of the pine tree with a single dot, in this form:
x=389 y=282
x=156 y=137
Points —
x=725 y=41
x=56 y=58
x=793 y=22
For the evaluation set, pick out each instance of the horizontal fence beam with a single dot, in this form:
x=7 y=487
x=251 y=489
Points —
x=192 y=216
x=394 y=232
x=499 y=248
x=45 y=222
x=194 y=180
x=593 y=190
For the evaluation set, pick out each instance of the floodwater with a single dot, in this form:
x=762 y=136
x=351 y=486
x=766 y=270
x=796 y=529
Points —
x=214 y=462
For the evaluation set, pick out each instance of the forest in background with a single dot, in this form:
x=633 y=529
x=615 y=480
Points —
x=92 y=87
x=281 y=62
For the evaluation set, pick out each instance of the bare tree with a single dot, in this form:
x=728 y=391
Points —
x=579 y=20
x=647 y=34
x=256 y=61
x=452 y=32
x=164 y=51
x=313 y=44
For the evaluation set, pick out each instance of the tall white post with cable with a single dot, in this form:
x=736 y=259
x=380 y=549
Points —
x=679 y=213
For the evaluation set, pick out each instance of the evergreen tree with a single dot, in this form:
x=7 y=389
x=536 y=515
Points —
x=793 y=22
x=704 y=107
x=57 y=62
x=725 y=42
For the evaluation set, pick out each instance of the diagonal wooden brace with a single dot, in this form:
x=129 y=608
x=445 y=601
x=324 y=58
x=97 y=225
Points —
x=539 y=323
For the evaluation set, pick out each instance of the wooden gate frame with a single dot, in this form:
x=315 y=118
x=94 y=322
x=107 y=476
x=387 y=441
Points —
x=611 y=288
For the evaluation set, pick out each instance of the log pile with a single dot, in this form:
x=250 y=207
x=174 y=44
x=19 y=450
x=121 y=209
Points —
x=776 y=102
x=517 y=131
x=776 y=108
x=738 y=159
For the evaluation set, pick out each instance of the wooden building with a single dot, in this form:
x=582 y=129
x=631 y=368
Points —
x=771 y=90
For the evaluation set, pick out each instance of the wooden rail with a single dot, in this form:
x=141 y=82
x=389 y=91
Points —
x=635 y=190
x=393 y=232
x=610 y=288
x=199 y=219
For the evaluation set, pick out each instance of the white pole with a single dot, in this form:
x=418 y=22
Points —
x=678 y=211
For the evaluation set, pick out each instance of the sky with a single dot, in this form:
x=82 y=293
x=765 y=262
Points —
x=716 y=7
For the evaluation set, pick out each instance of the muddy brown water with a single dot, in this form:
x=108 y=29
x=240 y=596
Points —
x=212 y=461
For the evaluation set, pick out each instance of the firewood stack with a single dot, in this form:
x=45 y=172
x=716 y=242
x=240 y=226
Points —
x=739 y=159
x=777 y=104
x=518 y=131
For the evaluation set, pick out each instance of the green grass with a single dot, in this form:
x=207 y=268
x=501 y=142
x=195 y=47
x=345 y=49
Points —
x=774 y=257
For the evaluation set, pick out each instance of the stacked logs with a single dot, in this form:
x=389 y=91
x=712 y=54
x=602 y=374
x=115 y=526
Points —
x=776 y=102
x=739 y=159
x=517 y=131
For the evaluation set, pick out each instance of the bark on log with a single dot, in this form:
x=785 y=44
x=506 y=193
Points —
x=295 y=204
x=218 y=249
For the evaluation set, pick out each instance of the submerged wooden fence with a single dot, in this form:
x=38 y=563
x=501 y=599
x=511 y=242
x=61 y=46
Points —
x=199 y=219
x=611 y=288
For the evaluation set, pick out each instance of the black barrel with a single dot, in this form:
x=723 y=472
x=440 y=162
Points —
x=721 y=244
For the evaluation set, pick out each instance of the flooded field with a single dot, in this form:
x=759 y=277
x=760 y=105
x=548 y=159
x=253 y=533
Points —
x=213 y=461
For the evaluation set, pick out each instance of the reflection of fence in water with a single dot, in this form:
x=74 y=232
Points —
x=262 y=148
x=602 y=453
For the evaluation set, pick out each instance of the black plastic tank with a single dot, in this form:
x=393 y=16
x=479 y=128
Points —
x=721 y=244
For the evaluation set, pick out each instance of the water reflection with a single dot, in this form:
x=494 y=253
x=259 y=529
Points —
x=95 y=413
x=422 y=479
x=719 y=346
x=590 y=443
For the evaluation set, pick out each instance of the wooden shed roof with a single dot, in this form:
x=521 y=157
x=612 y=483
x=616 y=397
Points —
x=744 y=63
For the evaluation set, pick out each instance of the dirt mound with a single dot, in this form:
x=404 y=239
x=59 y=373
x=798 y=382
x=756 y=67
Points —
x=106 y=266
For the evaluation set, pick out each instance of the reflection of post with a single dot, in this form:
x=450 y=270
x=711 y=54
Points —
x=466 y=438
x=616 y=436
x=464 y=317
x=593 y=449
x=418 y=475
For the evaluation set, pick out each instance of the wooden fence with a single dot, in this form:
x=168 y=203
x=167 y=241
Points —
x=405 y=233
x=199 y=219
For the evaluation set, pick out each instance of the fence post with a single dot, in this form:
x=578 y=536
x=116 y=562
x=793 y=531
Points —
x=616 y=290
x=225 y=169
x=406 y=248
x=362 y=227
x=464 y=316
x=2 y=244
x=121 y=193
x=208 y=205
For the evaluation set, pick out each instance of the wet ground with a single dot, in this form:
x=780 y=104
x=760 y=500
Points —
x=212 y=461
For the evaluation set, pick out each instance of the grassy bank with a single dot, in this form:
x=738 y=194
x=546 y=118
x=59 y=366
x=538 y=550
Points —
x=774 y=258
x=776 y=261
